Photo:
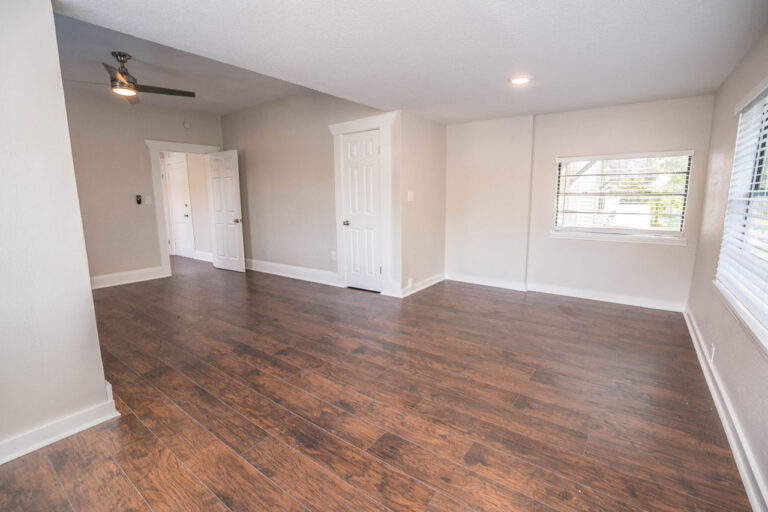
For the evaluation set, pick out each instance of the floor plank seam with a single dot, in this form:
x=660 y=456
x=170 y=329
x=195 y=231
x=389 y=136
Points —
x=122 y=470
x=59 y=482
x=326 y=470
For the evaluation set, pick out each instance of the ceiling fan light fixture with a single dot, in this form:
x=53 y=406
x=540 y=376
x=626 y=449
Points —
x=520 y=80
x=123 y=89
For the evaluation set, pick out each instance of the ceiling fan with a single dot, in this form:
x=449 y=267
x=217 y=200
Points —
x=124 y=84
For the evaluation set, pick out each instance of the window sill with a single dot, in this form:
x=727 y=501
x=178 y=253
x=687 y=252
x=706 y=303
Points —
x=752 y=325
x=617 y=237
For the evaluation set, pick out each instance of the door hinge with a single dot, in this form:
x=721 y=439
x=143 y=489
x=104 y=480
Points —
x=380 y=270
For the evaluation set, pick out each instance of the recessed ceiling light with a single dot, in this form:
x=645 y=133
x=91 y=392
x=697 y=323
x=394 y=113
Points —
x=519 y=80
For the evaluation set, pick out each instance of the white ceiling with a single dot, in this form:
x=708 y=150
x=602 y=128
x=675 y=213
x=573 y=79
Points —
x=450 y=59
x=220 y=88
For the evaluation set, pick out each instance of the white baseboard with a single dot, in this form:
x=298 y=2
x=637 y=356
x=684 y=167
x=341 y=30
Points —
x=629 y=300
x=203 y=256
x=391 y=288
x=742 y=453
x=422 y=284
x=487 y=281
x=58 y=429
x=304 y=273
x=130 y=276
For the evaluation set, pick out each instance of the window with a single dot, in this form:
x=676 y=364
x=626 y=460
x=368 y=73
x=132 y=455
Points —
x=623 y=194
x=742 y=270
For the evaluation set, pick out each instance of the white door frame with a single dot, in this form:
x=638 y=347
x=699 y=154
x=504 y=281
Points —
x=161 y=210
x=387 y=124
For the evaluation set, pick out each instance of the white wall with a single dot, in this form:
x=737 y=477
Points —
x=488 y=190
x=642 y=274
x=287 y=176
x=50 y=366
x=112 y=165
x=742 y=367
x=422 y=172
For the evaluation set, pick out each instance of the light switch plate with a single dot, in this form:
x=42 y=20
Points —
x=410 y=196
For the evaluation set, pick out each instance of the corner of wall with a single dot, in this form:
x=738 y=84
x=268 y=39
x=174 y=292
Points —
x=58 y=429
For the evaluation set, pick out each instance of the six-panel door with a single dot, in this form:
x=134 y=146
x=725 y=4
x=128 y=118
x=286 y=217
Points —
x=227 y=224
x=361 y=181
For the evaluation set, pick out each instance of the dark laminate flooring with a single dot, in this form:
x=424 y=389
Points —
x=257 y=392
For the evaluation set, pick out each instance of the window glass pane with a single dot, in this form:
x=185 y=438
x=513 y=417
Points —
x=645 y=194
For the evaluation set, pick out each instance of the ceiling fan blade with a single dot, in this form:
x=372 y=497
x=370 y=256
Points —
x=112 y=70
x=114 y=74
x=162 y=90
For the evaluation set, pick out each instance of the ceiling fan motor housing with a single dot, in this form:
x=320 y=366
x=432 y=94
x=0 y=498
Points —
x=121 y=57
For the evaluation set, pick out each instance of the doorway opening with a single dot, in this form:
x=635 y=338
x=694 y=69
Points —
x=198 y=205
x=185 y=186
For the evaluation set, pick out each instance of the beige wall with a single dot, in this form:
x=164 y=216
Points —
x=50 y=366
x=423 y=219
x=488 y=189
x=741 y=365
x=112 y=166
x=647 y=274
x=198 y=192
x=287 y=176
x=499 y=170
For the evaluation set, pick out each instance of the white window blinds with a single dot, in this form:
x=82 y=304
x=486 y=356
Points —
x=623 y=194
x=743 y=266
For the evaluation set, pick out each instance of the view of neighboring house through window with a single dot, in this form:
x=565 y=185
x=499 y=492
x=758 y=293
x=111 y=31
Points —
x=623 y=194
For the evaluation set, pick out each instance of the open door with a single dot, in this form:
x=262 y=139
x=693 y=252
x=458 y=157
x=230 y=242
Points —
x=226 y=213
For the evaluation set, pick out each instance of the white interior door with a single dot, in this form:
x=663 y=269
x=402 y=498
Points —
x=361 y=181
x=179 y=205
x=226 y=212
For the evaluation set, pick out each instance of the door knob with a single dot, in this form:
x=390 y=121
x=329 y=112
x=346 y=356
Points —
x=186 y=215
x=346 y=223
x=236 y=221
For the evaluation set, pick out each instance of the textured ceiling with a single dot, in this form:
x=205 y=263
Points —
x=220 y=88
x=450 y=59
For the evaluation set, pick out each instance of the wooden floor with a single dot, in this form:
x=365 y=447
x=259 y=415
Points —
x=257 y=392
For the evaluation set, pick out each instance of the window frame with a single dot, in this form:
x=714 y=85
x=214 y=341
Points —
x=754 y=326
x=623 y=234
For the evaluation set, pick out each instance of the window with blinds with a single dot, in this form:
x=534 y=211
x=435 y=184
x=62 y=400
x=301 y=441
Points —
x=742 y=270
x=623 y=194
